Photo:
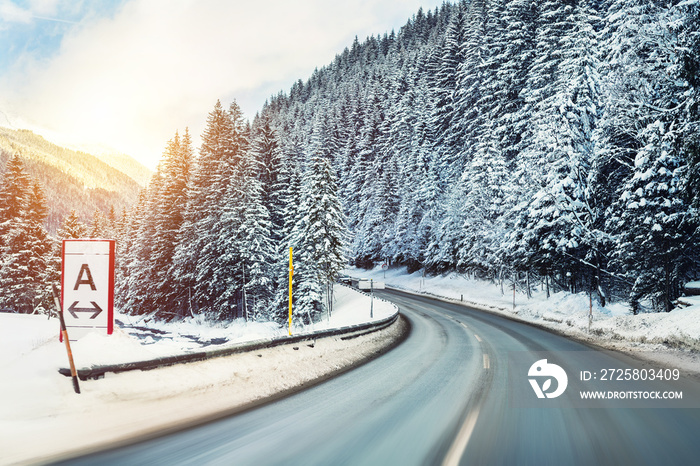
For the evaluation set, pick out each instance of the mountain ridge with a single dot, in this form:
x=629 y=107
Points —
x=72 y=179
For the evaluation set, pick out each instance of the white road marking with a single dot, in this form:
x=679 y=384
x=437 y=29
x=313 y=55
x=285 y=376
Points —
x=487 y=363
x=463 y=325
x=454 y=454
x=477 y=338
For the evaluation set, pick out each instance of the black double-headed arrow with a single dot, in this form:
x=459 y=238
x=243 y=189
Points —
x=95 y=309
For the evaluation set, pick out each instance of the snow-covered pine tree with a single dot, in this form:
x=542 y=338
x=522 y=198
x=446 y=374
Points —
x=689 y=59
x=138 y=288
x=195 y=262
x=99 y=227
x=481 y=190
x=266 y=150
x=290 y=198
x=128 y=260
x=72 y=227
x=646 y=125
x=15 y=283
x=509 y=66
x=319 y=239
x=444 y=87
x=362 y=175
x=215 y=184
x=252 y=244
x=417 y=166
x=25 y=250
x=576 y=105
x=13 y=193
x=168 y=219
x=654 y=225
x=468 y=118
x=484 y=175
x=687 y=18
x=42 y=265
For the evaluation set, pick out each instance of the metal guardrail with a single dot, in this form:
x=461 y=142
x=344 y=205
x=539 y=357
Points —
x=347 y=332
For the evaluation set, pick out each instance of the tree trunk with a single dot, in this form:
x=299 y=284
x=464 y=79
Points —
x=527 y=283
x=667 y=287
x=599 y=286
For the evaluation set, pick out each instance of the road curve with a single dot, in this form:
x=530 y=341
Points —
x=452 y=393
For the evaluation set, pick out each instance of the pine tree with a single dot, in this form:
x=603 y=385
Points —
x=168 y=218
x=654 y=226
x=13 y=193
x=140 y=271
x=195 y=262
x=252 y=245
x=42 y=264
x=290 y=179
x=129 y=261
x=100 y=225
x=25 y=251
x=319 y=240
x=452 y=55
x=265 y=149
x=72 y=227
x=689 y=59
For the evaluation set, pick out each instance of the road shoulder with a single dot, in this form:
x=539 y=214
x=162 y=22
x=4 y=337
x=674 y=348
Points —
x=136 y=406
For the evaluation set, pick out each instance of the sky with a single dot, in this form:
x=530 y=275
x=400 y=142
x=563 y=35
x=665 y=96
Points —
x=127 y=74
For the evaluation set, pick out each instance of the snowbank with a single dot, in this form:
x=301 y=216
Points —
x=143 y=338
x=41 y=416
x=611 y=325
x=693 y=288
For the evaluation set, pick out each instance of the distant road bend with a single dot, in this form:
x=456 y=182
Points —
x=441 y=397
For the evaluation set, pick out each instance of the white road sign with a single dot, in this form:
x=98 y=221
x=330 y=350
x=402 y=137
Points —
x=87 y=286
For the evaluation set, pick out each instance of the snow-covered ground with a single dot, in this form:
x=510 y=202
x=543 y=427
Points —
x=41 y=416
x=670 y=337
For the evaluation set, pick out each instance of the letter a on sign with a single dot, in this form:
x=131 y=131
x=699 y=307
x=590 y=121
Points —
x=87 y=286
x=85 y=269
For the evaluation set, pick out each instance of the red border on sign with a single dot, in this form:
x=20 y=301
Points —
x=63 y=276
x=112 y=272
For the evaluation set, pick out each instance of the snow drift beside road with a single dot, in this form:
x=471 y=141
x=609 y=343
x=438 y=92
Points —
x=40 y=415
x=564 y=312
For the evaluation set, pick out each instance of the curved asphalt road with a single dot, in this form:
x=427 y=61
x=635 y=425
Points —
x=455 y=392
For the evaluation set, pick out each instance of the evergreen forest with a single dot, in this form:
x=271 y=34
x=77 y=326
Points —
x=549 y=144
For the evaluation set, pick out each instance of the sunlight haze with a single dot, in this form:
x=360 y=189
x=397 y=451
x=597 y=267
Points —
x=128 y=74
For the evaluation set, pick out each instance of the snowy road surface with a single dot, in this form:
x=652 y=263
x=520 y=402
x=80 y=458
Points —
x=455 y=392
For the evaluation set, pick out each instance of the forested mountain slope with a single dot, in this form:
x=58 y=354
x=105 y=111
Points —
x=553 y=138
x=72 y=180
x=127 y=165
x=550 y=143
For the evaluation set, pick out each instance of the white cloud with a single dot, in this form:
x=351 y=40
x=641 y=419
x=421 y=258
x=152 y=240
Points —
x=156 y=66
x=44 y=7
x=11 y=13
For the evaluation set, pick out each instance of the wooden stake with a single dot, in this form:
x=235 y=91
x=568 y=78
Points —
x=64 y=334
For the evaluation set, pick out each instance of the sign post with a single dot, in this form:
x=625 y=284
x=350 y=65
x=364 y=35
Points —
x=64 y=336
x=87 y=286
